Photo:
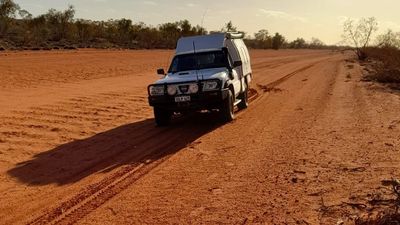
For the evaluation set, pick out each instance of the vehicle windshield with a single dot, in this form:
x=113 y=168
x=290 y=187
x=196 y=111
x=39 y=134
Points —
x=204 y=60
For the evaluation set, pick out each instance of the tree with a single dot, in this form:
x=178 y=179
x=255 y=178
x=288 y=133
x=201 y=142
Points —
x=199 y=30
x=124 y=31
x=359 y=34
x=148 y=37
x=186 y=28
x=24 y=14
x=263 y=39
x=278 y=41
x=60 y=22
x=389 y=39
x=171 y=33
x=316 y=43
x=8 y=10
x=298 y=43
x=262 y=35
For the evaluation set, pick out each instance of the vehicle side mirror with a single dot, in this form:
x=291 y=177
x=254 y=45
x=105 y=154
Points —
x=237 y=63
x=160 y=72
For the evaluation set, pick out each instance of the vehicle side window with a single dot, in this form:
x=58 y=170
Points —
x=244 y=55
x=229 y=57
x=230 y=47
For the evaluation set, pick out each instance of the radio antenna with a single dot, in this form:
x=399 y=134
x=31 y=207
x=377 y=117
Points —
x=195 y=61
x=204 y=15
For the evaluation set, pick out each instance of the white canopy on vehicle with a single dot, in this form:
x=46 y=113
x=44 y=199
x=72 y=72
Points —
x=204 y=43
x=215 y=42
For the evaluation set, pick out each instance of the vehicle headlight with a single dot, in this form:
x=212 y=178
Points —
x=210 y=85
x=193 y=88
x=156 y=90
x=171 y=89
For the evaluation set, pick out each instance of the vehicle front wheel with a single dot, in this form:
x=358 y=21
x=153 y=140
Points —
x=227 y=108
x=162 y=116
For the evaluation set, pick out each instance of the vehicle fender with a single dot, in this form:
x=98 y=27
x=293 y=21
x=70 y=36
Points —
x=245 y=81
x=248 y=78
x=229 y=85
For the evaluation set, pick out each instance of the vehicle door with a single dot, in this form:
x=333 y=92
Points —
x=233 y=55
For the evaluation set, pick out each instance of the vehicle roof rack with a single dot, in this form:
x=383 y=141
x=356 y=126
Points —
x=229 y=35
x=234 y=35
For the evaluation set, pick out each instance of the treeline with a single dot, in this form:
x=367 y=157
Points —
x=61 y=30
x=264 y=40
x=18 y=28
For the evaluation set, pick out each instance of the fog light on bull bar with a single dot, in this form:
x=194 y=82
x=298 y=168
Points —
x=193 y=88
x=171 y=89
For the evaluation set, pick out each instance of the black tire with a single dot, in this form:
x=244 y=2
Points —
x=244 y=97
x=227 y=108
x=162 y=116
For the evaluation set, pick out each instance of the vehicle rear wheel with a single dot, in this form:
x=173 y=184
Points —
x=244 y=97
x=162 y=116
x=227 y=108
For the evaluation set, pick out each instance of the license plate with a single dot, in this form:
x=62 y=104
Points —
x=182 y=99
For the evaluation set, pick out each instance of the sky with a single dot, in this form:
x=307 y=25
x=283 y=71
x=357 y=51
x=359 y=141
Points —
x=322 y=19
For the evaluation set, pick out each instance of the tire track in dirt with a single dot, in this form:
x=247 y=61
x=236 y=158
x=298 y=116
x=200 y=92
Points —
x=269 y=65
x=270 y=86
x=95 y=195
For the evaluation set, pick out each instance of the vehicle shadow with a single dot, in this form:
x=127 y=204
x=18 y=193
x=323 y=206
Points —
x=125 y=145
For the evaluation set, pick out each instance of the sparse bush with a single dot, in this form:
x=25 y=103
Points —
x=391 y=214
x=387 y=67
x=359 y=34
x=386 y=219
x=389 y=39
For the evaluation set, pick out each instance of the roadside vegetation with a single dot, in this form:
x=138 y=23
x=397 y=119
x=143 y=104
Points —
x=386 y=59
x=381 y=60
x=382 y=57
x=59 y=29
x=385 y=62
x=20 y=30
x=387 y=201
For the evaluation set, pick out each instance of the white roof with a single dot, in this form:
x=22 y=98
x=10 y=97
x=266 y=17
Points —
x=212 y=42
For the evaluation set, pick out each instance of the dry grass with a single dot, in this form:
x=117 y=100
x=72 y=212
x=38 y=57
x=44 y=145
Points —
x=388 y=219
x=387 y=65
x=391 y=214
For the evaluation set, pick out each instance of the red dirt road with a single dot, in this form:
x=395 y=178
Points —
x=78 y=143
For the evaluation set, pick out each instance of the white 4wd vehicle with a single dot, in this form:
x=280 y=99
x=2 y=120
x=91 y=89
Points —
x=208 y=72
